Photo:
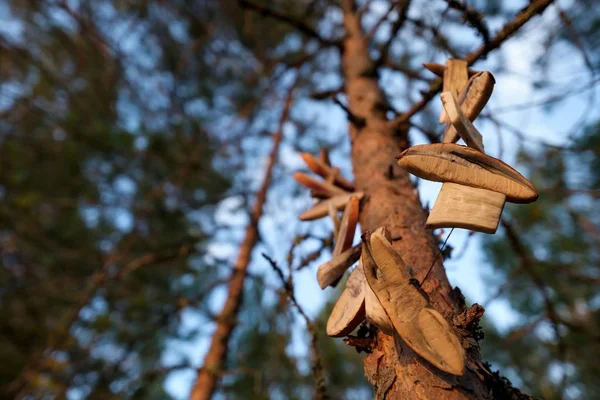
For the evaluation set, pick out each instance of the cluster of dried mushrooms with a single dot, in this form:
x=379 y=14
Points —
x=476 y=186
x=336 y=193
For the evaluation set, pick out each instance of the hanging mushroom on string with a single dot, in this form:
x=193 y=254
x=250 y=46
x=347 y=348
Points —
x=476 y=186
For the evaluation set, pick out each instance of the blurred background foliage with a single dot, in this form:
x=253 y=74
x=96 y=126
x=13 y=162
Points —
x=132 y=139
x=550 y=268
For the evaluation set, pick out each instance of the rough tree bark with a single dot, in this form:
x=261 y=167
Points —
x=391 y=200
x=212 y=368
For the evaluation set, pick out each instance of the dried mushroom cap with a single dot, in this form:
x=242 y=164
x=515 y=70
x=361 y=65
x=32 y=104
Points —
x=448 y=162
x=321 y=209
x=387 y=258
x=476 y=93
x=382 y=230
x=375 y=313
x=331 y=271
x=403 y=303
x=472 y=98
x=455 y=78
x=335 y=219
x=345 y=234
x=324 y=157
x=390 y=279
x=349 y=310
x=462 y=124
x=460 y=206
x=443 y=341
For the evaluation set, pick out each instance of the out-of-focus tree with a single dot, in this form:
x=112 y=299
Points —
x=546 y=259
x=116 y=143
x=547 y=264
x=107 y=186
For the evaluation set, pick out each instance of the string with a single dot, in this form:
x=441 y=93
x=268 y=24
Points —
x=437 y=255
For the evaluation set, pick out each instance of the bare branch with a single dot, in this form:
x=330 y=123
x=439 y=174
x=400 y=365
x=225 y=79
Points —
x=211 y=370
x=473 y=17
x=317 y=367
x=536 y=7
x=326 y=94
x=527 y=264
x=442 y=40
x=298 y=24
x=371 y=33
x=572 y=31
x=358 y=122
x=398 y=24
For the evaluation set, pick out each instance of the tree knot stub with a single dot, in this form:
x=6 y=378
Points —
x=362 y=344
x=469 y=320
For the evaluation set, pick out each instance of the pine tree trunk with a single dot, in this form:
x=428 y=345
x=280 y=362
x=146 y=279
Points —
x=391 y=200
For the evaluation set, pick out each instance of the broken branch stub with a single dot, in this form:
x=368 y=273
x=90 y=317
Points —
x=349 y=310
x=321 y=167
x=471 y=99
x=403 y=302
x=463 y=126
x=448 y=162
x=321 y=209
x=443 y=341
x=330 y=272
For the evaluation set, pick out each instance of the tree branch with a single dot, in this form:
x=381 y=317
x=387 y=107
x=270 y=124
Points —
x=473 y=17
x=402 y=14
x=535 y=8
x=300 y=25
x=317 y=367
x=211 y=369
x=371 y=33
